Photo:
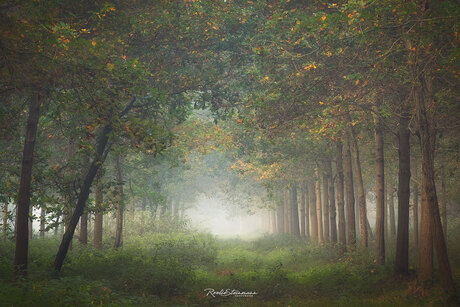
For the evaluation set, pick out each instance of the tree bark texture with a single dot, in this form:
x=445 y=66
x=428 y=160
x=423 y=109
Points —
x=22 y=218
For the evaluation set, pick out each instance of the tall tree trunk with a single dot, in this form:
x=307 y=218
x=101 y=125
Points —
x=120 y=206
x=325 y=201
x=425 y=268
x=379 y=189
x=82 y=198
x=42 y=222
x=313 y=211
x=5 y=220
x=340 y=198
x=84 y=228
x=402 y=240
x=391 y=205
x=302 y=212
x=443 y=203
x=332 y=209
x=22 y=217
x=98 y=214
x=295 y=210
x=386 y=218
x=427 y=145
x=285 y=211
x=56 y=230
x=133 y=201
x=319 y=214
x=350 y=196
x=280 y=216
x=30 y=224
x=307 y=210
x=359 y=187
x=415 y=206
x=272 y=221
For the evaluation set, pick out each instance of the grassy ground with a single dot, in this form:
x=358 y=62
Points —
x=174 y=270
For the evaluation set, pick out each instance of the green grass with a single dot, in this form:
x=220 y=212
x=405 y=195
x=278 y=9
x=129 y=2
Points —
x=174 y=269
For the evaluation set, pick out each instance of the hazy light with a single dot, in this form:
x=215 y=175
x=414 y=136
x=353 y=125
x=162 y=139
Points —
x=210 y=214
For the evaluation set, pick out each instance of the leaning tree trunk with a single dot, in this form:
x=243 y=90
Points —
x=120 y=206
x=350 y=196
x=82 y=198
x=313 y=217
x=332 y=209
x=325 y=202
x=359 y=188
x=427 y=146
x=340 y=198
x=379 y=189
x=402 y=240
x=22 y=218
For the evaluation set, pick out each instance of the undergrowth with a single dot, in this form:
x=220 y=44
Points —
x=174 y=269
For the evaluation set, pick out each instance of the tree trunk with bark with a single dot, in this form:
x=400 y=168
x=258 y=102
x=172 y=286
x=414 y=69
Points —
x=415 y=207
x=340 y=197
x=42 y=222
x=302 y=212
x=325 y=202
x=402 y=240
x=350 y=196
x=22 y=218
x=98 y=214
x=425 y=267
x=313 y=211
x=443 y=203
x=379 y=189
x=280 y=216
x=391 y=207
x=319 y=213
x=295 y=211
x=120 y=206
x=285 y=211
x=307 y=211
x=82 y=198
x=84 y=229
x=332 y=209
x=427 y=137
x=359 y=187
x=5 y=220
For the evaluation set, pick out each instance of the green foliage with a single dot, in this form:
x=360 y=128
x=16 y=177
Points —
x=175 y=268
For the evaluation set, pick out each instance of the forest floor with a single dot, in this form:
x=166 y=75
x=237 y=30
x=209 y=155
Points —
x=175 y=270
